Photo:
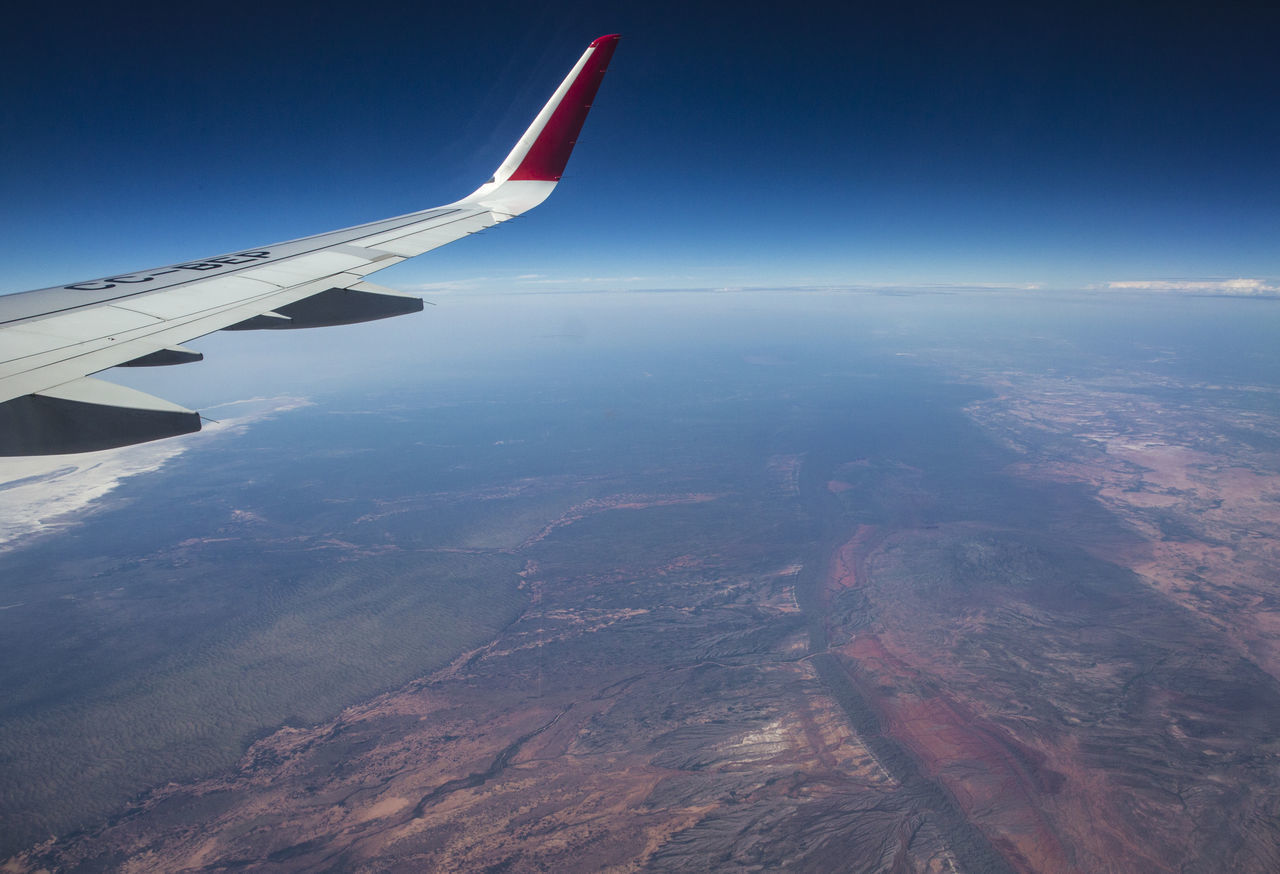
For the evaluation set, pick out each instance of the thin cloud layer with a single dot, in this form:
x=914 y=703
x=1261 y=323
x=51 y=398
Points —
x=1243 y=287
x=46 y=494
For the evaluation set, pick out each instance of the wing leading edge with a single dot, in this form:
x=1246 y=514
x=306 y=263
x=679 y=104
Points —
x=52 y=339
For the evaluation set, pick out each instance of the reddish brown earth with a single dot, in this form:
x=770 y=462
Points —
x=1012 y=790
x=655 y=716
x=1093 y=699
x=1192 y=481
x=1091 y=683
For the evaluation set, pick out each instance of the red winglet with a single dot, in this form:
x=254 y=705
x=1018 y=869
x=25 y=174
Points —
x=549 y=153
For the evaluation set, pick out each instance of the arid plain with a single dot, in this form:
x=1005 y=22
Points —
x=902 y=598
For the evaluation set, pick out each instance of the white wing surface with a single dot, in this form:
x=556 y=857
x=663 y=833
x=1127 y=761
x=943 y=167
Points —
x=52 y=339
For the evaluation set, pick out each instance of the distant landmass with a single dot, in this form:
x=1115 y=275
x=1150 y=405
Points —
x=782 y=581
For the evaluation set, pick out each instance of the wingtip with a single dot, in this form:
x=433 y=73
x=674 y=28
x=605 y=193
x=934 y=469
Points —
x=541 y=153
x=556 y=129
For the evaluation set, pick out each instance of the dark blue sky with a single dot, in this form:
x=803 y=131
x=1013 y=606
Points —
x=784 y=144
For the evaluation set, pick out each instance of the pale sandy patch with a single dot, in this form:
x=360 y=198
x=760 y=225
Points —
x=385 y=807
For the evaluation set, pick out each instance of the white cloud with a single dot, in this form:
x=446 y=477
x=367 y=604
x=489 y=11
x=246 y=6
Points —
x=46 y=494
x=1200 y=286
x=448 y=285
x=539 y=282
x=579 y=280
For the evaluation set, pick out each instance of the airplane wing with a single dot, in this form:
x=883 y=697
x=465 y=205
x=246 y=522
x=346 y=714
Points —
x=52 y=339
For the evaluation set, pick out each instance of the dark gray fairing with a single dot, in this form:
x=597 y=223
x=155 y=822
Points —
x=45 y=425
x=38 y=425
x=165 y=357
x=336 y=306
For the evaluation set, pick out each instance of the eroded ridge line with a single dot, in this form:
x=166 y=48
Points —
x=479 y=778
